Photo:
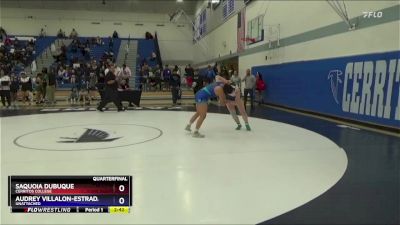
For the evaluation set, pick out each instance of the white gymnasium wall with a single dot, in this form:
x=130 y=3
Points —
x=220 y=42
x=175 y=42
x=359 y=42
x=310 y=15
x=297 y=17
x=221 y=36
x=215 y=16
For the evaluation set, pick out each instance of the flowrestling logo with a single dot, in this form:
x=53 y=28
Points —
x=369 y=88
x=372 y=14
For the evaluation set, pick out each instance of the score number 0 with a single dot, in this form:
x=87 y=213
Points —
x=121 y=200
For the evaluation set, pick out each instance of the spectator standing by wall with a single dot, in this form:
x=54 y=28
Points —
x=42 y=33
x=148 y=36
x=53 y=49
x=225 y=74
x=51 y=85
x=115 y=34
x=110 y=91
x=26 y=88
x=73 y=34
x=63 y=55
x=175 y=83
x=94 y=73
x=126 y=73
x=249 y=86
x=74 y=46
x=101 y=84
x=176 y=70
x=5 y=82
x=14 y=88
x=60 y=34
x=86 y=50
x=79 y=74
x=33 y=66
x=189 y=75
x=236 y=80
x=231 y=70
x=210 y=74
x=99 y=41
x=260 y=87
x=72 y=77
x=145 y=76
x=39 y=88
x=153 y=57
x=110 y=44
x=3 y=34
x=197 y=82
x=166 y=75
x=157 y=77
x=60 y=74
x=44 y=82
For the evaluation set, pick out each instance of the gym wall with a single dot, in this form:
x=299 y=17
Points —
x=315 y=31
x=220 y=42
x=175 y=42
x=317 y=49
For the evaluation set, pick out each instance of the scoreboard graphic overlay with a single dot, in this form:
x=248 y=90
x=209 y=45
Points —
x=70 y=194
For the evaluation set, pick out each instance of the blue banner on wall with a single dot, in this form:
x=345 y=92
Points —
x=364 y=87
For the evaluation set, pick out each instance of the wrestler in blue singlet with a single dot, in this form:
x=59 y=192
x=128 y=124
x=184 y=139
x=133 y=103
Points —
x=207 y=92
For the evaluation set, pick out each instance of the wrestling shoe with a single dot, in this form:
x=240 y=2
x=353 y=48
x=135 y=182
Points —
x=196 y=134
x=248 y=127
x=187 y=128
